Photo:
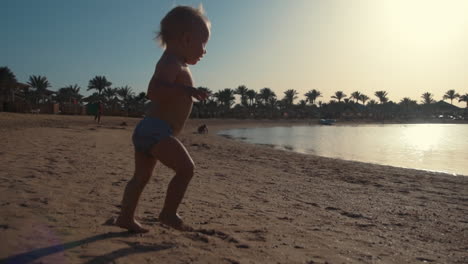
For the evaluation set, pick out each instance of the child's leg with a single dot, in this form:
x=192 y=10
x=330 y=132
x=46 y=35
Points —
x=172 y=153
x=144 y=166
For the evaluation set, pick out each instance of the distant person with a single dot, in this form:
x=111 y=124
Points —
x=99 y=110
x=203 y=129
x=184 y=32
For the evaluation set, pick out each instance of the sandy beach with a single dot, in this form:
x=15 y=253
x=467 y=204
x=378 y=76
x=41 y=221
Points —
x=62 y=179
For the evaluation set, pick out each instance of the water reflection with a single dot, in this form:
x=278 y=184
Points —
x=437 y=147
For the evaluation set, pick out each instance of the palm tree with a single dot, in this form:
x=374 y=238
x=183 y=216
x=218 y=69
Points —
x=141 y=96
x=356 y=95
x=273 y=102
x=407 y=103
x=450 y=94
x=202 y=106
x=312 y=95
x=7 y=78
x=251 y=95
x=125 y=93
x=40 y=83
x=109 y=96
x=302 y=103
x=226 y=97
x=69 y=93
x=74 y=88
x=464 y=98
x=427 y=98
x=289 y=97
x=99 y=83
x=242 y=91
x=338 y=95
x=138 y=103
x=206 y=90
x=382 y=95
x=363 y=98
x=266 y=95
x=7 y=83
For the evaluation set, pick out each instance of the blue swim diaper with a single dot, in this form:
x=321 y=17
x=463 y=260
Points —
x=149 y=132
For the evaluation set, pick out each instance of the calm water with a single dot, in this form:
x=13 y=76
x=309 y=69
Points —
x=434 y=147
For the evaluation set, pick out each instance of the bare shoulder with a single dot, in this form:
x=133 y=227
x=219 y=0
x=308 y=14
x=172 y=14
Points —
x=168 y=68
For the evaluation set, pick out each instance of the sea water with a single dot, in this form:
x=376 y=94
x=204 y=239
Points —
x=433 y=147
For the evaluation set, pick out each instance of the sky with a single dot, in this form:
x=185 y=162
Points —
x=404 y=47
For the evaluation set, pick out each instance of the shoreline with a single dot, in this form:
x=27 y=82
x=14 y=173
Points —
x=339 y=159
x=64 y=177
x=279 y=147
x=218 y=125
x=7 y=118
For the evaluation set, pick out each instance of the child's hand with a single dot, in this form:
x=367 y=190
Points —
x=199 y=94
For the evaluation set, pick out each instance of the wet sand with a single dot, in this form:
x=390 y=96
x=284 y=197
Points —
x=62 y=178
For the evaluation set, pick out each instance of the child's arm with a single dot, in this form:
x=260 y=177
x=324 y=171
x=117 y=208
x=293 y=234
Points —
x=162 y=84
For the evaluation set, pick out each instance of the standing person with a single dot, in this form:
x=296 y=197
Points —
x=99 y=110
x=184 y=33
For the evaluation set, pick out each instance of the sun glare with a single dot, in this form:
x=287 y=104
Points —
x=426 y=24
x=422 y=138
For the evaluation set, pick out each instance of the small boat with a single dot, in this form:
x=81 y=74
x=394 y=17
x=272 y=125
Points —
x=327 y=122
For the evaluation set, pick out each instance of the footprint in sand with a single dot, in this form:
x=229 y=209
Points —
x=238 y=206
x=40 y=200
x=231 y=261
x=365 y=225
x=197 y=237
x=110 y=221
x=257 y=235
x=425 y=259
x=242 y=246
x=347 y=214
x=222 y=236
x=150 y=219
x=352 y=215
x=285 y=218
x=51 y=160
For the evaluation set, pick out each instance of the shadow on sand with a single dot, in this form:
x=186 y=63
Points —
x=134 y=247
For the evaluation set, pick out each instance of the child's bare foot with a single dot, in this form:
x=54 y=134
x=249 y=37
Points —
x=130 y=225
x=174 y=221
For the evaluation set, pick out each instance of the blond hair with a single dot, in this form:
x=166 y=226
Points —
x=179 y=20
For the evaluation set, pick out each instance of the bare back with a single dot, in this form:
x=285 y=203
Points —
x=171 y=107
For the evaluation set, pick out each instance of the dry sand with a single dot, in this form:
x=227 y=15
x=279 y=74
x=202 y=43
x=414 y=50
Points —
x=62 y=178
